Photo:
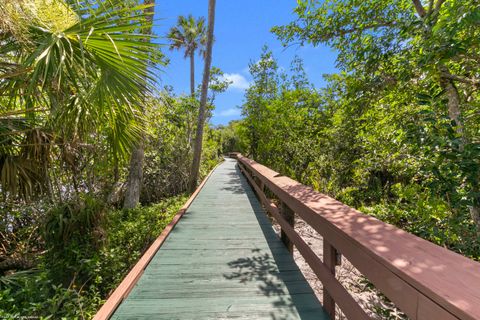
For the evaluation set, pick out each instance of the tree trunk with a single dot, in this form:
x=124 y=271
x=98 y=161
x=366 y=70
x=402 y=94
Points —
x=15 y=263
x=192 y=73
x=135 y=175
x=197 y=151
x=254 y=145
x=453 y=97
x=454 y=113
x=116 y=171
x=475 y=214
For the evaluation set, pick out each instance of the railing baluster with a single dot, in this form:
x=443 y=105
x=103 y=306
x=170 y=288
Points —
x=289 y=215
x=261 y=185
x=330 y=261
x=402 y=266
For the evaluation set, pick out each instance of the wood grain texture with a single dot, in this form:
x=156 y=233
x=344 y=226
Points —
x=222 y=261
x=424 y=280
x=336 y=291
x=122 y=291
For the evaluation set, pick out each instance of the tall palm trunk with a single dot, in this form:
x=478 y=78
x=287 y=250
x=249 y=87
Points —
x=192 y=73
x=197 y=151
x=135 y=175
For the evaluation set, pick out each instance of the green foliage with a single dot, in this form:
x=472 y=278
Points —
x=396 y=131
x=71 y=232
x=414 y=62
x=63 y=88
x=169 y=147
x=233 y=137
x=417 y=211
x=77 y=272
x=189 y=34
x=130 y=232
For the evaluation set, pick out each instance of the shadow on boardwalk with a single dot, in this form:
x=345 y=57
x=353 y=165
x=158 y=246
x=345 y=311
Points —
x=235 y=183
x=262 y=269
x=273 y=270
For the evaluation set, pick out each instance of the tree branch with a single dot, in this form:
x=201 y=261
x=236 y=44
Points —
x=430 y=6
x=439 y=5
x=419 y=7
x=473 y=81
x=357 y=29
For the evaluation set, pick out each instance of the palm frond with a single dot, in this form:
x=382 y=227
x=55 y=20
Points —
x=92 y=73
x=188 y=34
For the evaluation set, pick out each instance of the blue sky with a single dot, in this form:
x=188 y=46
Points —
x=242 y=27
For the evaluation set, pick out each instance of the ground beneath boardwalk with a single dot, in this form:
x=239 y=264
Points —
x=371 y=300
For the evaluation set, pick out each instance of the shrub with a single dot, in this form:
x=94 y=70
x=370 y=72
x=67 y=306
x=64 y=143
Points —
x=89 y=251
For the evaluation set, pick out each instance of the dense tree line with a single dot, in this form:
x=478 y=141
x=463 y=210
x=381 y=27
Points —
x=396 y=132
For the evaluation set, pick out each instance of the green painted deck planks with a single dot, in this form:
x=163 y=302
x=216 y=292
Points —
x=222 y=261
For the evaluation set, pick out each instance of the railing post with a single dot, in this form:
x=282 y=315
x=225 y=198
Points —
x=330 y=260
x=261 y=185
x=288 y=215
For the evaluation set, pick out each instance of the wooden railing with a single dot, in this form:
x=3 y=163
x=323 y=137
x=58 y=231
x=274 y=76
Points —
x=424 y=280
x=127 y=284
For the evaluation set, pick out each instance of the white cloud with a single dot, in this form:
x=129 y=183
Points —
x=238 y=81
x=232 y=112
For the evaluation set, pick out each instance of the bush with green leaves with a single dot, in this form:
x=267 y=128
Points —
x=89 y=250
x=390 y=149
x=169 y=147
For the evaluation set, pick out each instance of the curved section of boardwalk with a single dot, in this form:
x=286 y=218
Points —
x=222 y=261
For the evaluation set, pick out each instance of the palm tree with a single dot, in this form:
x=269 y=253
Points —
x=62 y=83
x=197 y=152
x=189 y=35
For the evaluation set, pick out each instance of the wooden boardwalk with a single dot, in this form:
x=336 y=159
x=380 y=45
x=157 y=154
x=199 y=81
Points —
x=222 y=261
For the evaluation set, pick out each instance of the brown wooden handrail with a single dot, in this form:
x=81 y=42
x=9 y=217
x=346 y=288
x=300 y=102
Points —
x=127 y=284
x=424 y=280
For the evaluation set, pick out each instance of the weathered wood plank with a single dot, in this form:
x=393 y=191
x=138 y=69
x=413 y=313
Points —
x=151 y=291
x=216 y=304
x=260 y=315
x=284 y=276
x=222 y=261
